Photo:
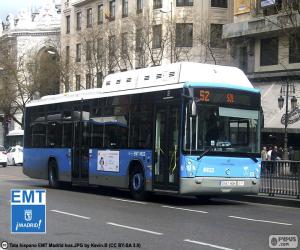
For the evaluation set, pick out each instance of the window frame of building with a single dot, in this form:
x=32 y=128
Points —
x=139 y=6
x=181 y=3
x=269 y=51
x=67 y=54
x=99 y=47
x=78 y=82
x=124 y=8
x=111 y=45
x=89 y=17
x=78 y=52
x=88 y=81
x=138 y=40
x=124 y=43
x=68 y=24
x=89 y=47
x=112 y=10
x=219 y=4
x=100 y=14
x=78 y=20
x=294 y=49
x=157 y=36
x=182 y=38
x=215 y=39
x=157 y=4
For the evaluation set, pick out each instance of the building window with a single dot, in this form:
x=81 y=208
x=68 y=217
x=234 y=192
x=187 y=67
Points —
x=99 y=79
x=294 y=49
x=157 y=4
x=139 y=6
x=89 y=50
x=124 y=8
x=78 y=21
x=89 y=17
x=100 y=14
x=156 y=36
x=112 y=10
x=139 y=40
x=67 y=54
x=184 y=3
x=184 y=35
x=111 y=45
x=216 y=40
x=124 y=43
x=88 y=81
x=219 y=3
x=78 y=52
x=68 y=24
x=100 y=48
x=269 y=51
x=77 y=82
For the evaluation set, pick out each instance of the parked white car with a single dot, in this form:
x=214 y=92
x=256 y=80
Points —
x=15 y=155
x=3 y=156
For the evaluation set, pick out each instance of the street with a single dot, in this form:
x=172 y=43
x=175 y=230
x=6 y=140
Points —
x=106 y=217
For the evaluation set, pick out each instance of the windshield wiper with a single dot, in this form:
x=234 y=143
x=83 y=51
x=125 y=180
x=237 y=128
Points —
x=205 y=152
x=252 y=158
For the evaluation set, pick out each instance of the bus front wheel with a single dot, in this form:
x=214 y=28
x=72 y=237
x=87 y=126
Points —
x=52 y=174
x=137 y=185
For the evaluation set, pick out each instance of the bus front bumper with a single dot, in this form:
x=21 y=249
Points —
x=218 y=186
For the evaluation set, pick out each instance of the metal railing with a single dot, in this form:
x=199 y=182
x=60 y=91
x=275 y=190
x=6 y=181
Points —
x=280 y=177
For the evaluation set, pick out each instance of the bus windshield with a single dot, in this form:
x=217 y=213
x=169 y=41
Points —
x=221 y=129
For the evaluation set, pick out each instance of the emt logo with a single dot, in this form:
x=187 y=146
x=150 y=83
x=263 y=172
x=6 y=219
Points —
x=28 y=211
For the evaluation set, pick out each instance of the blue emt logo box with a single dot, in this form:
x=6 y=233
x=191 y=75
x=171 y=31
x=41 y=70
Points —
x=28 y=211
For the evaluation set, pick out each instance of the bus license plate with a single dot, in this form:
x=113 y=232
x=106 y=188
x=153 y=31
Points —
x=228 y=183
x=232 y=183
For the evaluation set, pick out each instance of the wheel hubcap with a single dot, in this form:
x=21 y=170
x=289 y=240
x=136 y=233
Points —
x=137 y=181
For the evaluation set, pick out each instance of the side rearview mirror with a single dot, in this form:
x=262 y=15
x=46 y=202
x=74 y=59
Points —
x=194 y=108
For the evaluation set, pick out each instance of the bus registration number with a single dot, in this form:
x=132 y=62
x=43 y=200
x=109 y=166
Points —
x=232 y=183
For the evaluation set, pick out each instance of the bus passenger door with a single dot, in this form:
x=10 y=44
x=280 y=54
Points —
x=80 y=166
x=166 y=156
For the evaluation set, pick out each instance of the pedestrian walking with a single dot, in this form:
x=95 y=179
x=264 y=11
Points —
x=275 y=154
x=269 y=153
x=263 y=154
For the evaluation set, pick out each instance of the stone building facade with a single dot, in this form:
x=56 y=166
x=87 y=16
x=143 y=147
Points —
x=264 y=41
x=23 y=34
x=99 y=37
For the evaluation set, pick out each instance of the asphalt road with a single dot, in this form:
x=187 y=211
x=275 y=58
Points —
x=109 y=217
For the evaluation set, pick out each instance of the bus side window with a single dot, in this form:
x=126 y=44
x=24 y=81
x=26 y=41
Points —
x=54 y=134
x=38 y=135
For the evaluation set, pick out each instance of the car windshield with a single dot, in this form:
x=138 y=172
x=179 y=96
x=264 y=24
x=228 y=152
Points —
x=221 y=129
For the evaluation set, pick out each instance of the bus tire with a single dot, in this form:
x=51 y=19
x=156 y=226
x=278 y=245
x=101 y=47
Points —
x=52 y=174
x=137 y=185
x=4 y=165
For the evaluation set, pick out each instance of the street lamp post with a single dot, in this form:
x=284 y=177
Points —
x=286 y=89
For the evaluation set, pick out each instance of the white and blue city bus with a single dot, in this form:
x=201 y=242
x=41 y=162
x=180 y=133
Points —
x=185 y=128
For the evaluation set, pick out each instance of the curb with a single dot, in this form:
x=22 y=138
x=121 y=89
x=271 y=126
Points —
x=271 y=200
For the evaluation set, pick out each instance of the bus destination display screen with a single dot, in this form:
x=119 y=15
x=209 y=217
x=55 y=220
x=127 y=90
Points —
x=227 y=97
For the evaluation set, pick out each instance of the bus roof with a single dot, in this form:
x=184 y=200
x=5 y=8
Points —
x=172 y=76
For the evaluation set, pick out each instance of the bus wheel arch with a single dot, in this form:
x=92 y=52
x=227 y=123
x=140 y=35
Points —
x=137 y=180
x=53 y=173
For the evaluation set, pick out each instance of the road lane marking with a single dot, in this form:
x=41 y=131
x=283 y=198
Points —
x=75 y=215
x=138 y=202
x=207 y=244
x=254 y=203
x=186 y=209
x=134 y=228
x=266 y=221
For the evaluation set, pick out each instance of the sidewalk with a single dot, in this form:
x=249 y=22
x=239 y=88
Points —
x=279 y=200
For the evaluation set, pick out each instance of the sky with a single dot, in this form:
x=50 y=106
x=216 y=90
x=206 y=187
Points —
x=14 y=6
